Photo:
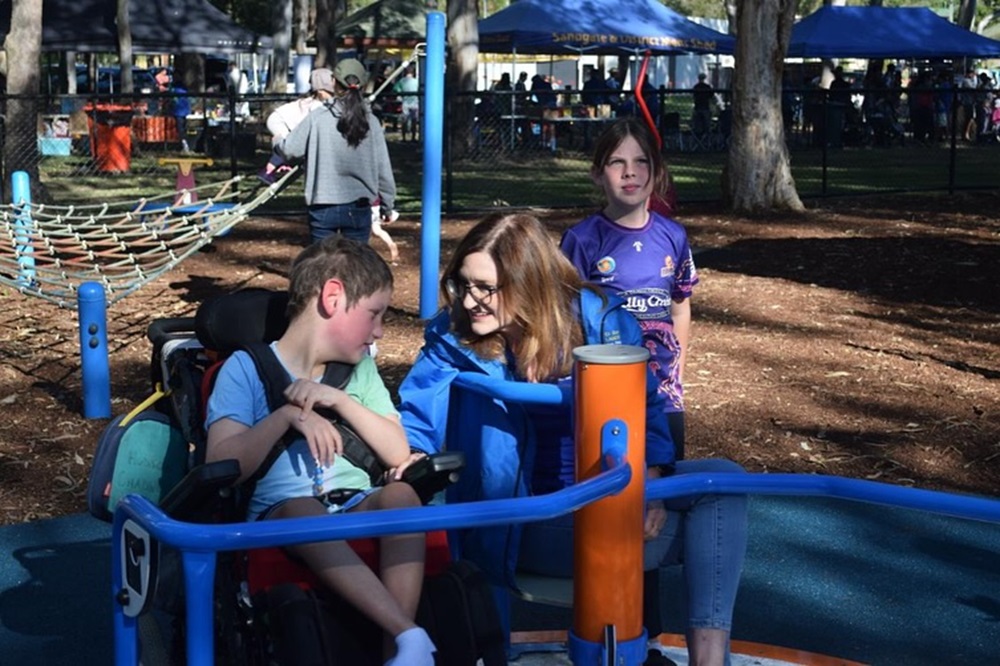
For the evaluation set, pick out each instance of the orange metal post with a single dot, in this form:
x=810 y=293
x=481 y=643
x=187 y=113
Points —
x=610 y=384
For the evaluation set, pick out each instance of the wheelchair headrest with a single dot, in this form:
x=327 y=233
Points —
x=228 y=322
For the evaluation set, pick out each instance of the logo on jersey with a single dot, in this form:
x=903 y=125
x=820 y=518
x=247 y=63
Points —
x=650 y=303
x=638 y=246
x=668 y=267
x=606 y=265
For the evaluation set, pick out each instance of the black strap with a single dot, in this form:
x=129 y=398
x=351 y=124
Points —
x=276 y=379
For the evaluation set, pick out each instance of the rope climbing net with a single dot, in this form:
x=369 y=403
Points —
x=49 y=251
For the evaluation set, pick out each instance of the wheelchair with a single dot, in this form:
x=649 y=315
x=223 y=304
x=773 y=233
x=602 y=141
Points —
x=267 y=608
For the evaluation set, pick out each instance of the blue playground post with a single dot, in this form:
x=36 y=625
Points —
x=21 y=194
x=96 y=381
x=433 y=129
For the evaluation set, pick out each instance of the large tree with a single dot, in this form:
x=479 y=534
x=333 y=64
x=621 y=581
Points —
x=966 y=13
x=463 y=46
x=281 y=35
x=300 y=25
x=23 y=47
x=758 y=176
x=124 y=46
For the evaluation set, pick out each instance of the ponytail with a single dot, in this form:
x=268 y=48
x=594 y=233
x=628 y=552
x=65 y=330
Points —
x=352 y=121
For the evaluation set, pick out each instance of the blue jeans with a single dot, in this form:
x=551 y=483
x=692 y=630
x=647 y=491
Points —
x=351 y=220
x=705 y=533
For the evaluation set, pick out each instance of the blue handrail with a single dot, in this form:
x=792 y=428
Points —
x=199 y=543
x=943 y=503
x=521 y=392
x=817 y=485
x=264 y=534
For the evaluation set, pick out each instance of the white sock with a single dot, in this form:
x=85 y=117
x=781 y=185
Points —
x=413 y=648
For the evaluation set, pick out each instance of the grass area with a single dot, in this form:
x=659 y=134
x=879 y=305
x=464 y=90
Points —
x=545 y=179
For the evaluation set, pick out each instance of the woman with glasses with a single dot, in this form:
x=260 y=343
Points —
x=514 y=309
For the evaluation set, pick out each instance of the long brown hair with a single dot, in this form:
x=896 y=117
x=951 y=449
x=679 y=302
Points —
x=351 y=112
x=539 y=288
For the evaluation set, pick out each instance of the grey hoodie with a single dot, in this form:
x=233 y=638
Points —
x=336 y=173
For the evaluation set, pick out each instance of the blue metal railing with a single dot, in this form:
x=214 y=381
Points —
x=817 y=485
x=200 y=543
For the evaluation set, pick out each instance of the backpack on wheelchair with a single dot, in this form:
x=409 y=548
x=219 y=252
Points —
x=269 y=609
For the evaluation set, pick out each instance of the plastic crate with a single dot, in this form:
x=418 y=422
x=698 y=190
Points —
x=54 y=146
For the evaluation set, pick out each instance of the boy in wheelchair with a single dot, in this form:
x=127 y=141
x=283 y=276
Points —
x=338 y=293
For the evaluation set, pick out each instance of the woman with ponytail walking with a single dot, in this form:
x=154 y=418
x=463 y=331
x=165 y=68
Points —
x=346 y=158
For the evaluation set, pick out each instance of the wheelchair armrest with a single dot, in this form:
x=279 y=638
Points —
x=432 y=474
x=199 y=490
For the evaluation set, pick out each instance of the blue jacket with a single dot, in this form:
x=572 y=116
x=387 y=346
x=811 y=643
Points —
x=499 y=438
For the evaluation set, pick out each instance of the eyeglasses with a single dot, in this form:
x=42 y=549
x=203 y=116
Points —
x=481 y=293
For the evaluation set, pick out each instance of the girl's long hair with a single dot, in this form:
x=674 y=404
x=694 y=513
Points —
x=539 y=288
x=352 y=113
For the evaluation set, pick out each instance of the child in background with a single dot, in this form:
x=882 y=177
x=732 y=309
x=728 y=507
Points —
x=286 y=117
x=640 y=255
x=408 y=87
x=339 y=290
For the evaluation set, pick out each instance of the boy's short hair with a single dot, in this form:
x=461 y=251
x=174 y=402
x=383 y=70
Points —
x=356 y=264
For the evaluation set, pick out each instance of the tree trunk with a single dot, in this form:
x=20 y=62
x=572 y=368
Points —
x=966 y=14
x=463 y=44
x=69 y=60
x=23 y=46
x=758 y=177
x=300 y=26
x=125 y=47
x=731 y=7
x=328 y=14
x=281 y=25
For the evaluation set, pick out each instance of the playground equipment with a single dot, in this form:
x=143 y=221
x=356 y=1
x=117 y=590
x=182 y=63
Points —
x=140 y=528
x=95 y=255
x=49 y=251
x=137 y=521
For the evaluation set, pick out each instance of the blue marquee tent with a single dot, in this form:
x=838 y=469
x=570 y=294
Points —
x=596 y=26
x=885 y=32
x=165 y=26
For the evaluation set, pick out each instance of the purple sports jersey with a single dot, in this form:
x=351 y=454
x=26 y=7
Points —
x=648 y=268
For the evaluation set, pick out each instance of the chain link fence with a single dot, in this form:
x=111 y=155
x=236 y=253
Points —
x=98 y=148
x=523 y=154
x=503 y=149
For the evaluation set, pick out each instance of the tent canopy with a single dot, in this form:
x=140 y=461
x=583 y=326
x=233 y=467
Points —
x=884 y=32
x=596 y=26
x=385 y=23
x=164 y=26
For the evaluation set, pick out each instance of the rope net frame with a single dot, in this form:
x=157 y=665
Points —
x=49 y=251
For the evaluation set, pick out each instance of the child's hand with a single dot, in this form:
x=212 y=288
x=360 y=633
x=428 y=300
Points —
x=396 y=473
x=323 y=439
x=656 y=519
x=307 y=394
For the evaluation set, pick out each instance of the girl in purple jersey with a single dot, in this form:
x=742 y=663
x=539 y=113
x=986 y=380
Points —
x=640 y=255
